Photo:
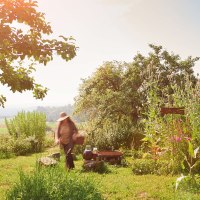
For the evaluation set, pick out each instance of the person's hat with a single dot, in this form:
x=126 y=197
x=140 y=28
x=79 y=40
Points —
x=63 y=116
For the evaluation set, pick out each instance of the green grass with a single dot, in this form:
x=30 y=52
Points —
x=120 y=183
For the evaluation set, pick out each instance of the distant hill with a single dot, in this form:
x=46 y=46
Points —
x=12 y=111
x=52 y=112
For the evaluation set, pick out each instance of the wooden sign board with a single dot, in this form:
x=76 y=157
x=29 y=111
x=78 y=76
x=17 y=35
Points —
x=179 y=111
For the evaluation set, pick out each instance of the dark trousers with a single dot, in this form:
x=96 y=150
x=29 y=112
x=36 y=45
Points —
x=68 y=153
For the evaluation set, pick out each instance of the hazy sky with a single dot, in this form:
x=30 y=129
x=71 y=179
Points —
x=107 y=30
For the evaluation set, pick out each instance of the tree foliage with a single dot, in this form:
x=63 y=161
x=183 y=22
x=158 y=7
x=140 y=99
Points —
x=109 y=101
x=118 y=88
x=164 y=68
x=117 y=92
x=110 y=92
x=24 y=43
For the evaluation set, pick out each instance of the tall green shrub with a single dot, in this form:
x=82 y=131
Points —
x=110 y=134
x=30 y=126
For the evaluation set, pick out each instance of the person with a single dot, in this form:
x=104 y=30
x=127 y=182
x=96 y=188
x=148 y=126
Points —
x=63 y=136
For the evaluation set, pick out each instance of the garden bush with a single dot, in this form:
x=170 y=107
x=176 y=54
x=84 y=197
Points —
x=6 y=147
x=53 y=184
x=49 y=141
x=10 y=147
x=110 y=134
x=22 y=147
x=150 y=166
x=144 y=166
x=132 y=153
x=30 y=126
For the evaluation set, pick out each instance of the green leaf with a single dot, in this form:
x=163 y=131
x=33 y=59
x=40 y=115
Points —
x=191 y=150
x=145 y=139
x=182 y=165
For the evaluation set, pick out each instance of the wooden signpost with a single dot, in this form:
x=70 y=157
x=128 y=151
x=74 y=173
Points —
x=164 y=111
x=179 y=110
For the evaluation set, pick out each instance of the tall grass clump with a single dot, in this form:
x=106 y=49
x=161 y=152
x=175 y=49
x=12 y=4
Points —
x=53 y=184
x=28 y=127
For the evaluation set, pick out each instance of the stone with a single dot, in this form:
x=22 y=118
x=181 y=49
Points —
x=46 y=161
x=55 y=156
x=92 y=165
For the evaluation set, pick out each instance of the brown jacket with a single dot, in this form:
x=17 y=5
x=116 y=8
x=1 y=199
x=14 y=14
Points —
x=65 y=131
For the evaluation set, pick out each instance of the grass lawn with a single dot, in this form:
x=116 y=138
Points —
x=119 y=183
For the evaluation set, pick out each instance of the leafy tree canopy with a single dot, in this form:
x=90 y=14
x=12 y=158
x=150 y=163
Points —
x=24 y=43
x=110 y=92
x=119 y=89
x=116 y=96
